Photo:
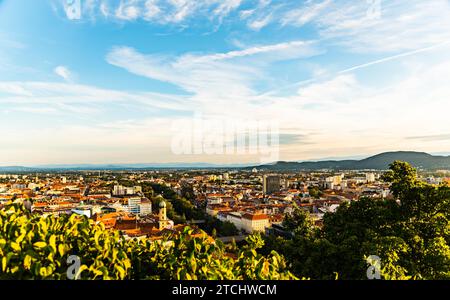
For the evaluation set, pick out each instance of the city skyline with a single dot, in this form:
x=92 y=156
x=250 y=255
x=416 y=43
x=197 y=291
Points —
x=110 y=84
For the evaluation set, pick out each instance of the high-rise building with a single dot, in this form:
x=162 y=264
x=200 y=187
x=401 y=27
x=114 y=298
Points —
x=271 y=184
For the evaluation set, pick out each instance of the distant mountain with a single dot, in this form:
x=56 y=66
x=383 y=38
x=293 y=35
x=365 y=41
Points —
x=381 y=161
x=16 y=169
x=378 y=162
x=95 y=167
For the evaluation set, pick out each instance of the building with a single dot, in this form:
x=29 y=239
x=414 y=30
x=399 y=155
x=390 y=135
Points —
x=333 y=182
x=247 y=222
x=370 y=177
x=83 y=211
x=134 y=204
x=163 y=221
x=118 y=190
x=255 y=222
x=214 y=200
x=271 y=184
x=145 y=208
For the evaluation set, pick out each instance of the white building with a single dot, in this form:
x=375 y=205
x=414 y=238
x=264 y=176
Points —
x=145 y=208
x=255 y=222
x=83 y=211
x=246 y=221
x=370 y=177
x=214 y=200
x=118 y=190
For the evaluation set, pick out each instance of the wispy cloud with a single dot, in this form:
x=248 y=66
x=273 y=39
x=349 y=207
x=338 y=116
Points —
x=158 y=11
x=128 y=10
x=259 y=23
x=293 y=139
x=431 y=138
x=305 y=14
x=352 y=25
x=70 y=97
x=228 y=75
x=63 y=72
x=401 y=25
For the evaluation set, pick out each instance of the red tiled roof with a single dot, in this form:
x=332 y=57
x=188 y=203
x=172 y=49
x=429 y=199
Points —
x=255 y=217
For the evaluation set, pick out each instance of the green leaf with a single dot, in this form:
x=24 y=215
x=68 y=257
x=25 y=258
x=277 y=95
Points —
x=39 y=245
x=15 y=247
x=27 y=262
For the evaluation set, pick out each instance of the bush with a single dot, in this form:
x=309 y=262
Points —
x=37 y=247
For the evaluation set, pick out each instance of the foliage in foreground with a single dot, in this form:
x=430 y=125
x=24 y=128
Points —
x=36 y=247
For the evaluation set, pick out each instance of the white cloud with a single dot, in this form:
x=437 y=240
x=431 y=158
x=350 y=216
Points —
x=226 y=75
x=151 y=9
x=352 y=114
x=226 y=7
x=128 y=10
x=401 y=25
x=15 y=89
x=66 y=98
x=303 y=15
x=340 y=115
x=257 y=24
x=157 y=11
x=104 y=9
x=282 y=51
x=63 y=72
x=341 y=89
x=345 y=115
x=244 y=14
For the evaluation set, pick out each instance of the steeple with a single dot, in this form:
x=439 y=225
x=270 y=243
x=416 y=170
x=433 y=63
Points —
x=162 y=210
x=163 y=221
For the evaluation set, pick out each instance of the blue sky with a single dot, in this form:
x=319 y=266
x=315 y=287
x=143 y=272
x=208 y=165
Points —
x=111 y=83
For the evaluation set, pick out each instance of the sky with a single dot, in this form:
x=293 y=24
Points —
x=137 y=81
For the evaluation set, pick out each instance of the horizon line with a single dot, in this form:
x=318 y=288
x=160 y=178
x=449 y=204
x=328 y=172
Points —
x=241 y=164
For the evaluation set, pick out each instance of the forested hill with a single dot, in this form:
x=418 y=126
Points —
x=381 y=161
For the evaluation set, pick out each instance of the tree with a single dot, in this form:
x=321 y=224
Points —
x=315 y=192
x=410 y=234
x=299 y=222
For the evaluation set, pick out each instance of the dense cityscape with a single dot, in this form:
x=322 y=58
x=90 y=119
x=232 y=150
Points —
x=145 y=204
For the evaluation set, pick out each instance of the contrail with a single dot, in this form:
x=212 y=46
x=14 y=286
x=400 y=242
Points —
x=379 y=61
x=393 y=57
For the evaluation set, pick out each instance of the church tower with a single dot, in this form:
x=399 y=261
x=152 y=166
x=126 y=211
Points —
x=163 y=220
x=162 y=210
